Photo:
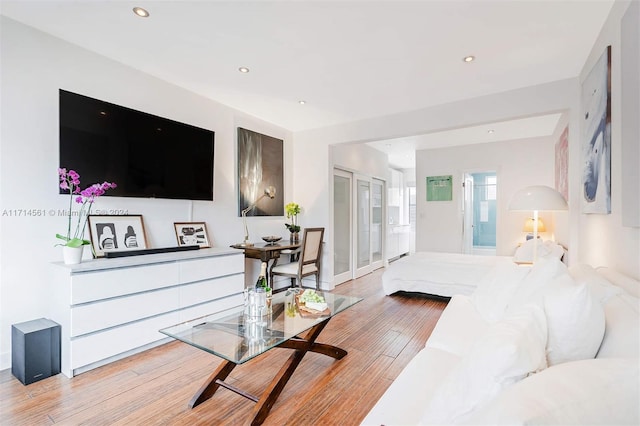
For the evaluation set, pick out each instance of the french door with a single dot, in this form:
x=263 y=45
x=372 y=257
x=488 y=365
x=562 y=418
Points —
x=358 y=225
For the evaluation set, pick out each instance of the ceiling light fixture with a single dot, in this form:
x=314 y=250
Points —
x=469 y=58
x=490 y=131
x=243 y=70
x=143 y=13
x=302 y=102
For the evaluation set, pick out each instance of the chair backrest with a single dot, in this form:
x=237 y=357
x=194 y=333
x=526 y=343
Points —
x=311 y=247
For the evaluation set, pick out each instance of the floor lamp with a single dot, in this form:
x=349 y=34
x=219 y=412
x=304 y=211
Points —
x=268 y=192
x=537 y=198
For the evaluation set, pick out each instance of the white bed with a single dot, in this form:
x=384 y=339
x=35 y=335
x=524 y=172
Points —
x=447 y=274
x=440 y=274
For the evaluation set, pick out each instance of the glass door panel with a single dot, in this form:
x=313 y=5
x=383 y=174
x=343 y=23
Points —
x=342 y=263
x=363 y=227
x=377 y=222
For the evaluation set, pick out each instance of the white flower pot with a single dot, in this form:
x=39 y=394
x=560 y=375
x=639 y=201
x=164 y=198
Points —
x=72 y=255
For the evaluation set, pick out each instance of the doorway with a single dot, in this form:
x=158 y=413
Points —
x=480 y=193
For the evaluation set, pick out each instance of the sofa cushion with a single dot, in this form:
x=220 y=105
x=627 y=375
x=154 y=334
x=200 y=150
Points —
x=622 y=309
x=594 y=391
x=575 y=321
x=458 y=327
x=405 y=399
x=507 y=352
x=628 y=284
x=622 y=329
x=600 y=287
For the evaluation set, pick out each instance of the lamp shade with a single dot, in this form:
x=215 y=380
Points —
x=528 y=225
x=538 y=197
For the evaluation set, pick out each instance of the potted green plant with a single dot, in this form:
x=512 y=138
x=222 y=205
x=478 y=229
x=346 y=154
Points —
x=293 y=210
x=74 y=238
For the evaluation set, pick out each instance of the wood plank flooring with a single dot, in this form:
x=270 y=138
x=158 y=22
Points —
x=381 y=333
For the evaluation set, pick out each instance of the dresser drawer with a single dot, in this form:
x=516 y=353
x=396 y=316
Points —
x=97 y=347
x=202 y=269
x=113 y=312
x=92 y=286
x=192 y=294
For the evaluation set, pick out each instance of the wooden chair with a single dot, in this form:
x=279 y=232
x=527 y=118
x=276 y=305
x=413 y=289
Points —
x=309 y=261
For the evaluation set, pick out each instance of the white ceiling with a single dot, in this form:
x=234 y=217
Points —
x=401 y=151
x=348 y=60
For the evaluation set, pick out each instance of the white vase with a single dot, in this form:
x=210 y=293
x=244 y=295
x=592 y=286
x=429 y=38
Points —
x=72 y=255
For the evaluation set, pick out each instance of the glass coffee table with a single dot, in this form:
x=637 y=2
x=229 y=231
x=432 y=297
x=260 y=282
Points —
x=234 y=338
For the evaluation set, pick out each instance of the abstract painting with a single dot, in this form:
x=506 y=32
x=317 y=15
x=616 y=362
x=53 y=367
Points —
x=260 y=165
x=596 y=137
x=562 y=164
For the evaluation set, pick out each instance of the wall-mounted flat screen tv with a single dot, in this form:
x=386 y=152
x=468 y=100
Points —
x=145 y=155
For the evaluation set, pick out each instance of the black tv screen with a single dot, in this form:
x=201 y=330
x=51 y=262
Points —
x=145 y=155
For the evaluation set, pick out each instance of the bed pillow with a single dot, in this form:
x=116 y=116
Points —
x=507 y=352
x=575 y=321
x=593 y=391
x=524 y=253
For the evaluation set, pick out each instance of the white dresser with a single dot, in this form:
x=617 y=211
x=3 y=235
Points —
x=113 y=308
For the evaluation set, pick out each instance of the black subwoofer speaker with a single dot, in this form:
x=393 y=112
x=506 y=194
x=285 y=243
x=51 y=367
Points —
x=35 y=350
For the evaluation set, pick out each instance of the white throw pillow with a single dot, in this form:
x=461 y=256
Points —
x=507 y=352
x=496 y=289
x=575 y=321
x=532 y=288
x=588 y=392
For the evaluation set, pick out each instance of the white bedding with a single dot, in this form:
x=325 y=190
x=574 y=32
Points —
x=440 y=274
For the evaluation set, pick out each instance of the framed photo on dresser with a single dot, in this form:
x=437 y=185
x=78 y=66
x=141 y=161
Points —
x=116 y=233
x=192 y=233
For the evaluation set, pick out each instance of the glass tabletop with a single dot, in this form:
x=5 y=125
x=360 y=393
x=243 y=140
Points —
x=231 y=335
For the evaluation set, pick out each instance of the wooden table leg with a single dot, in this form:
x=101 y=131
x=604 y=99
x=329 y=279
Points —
x=210 y=387
x=271 y=394
x=300 y=345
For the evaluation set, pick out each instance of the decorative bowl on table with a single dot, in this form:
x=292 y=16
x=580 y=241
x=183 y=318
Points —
x=272 y=239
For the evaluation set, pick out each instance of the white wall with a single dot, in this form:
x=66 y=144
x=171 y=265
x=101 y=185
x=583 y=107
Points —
x=517 y=163
x=34 y=67
x=604 y=240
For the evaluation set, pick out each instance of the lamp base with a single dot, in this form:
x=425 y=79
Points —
x=245 y=244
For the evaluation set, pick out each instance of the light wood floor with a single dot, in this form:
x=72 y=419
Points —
x=381 y=334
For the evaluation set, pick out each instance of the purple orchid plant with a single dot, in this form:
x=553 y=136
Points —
x=70 y=181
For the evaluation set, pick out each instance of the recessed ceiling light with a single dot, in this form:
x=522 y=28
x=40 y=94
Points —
x=143 y=13
x=243 y=70
x=490 y=131
x=302 y=102
x=469 y=58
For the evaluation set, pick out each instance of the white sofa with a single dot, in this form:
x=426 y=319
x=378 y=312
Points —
x=541 y=345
